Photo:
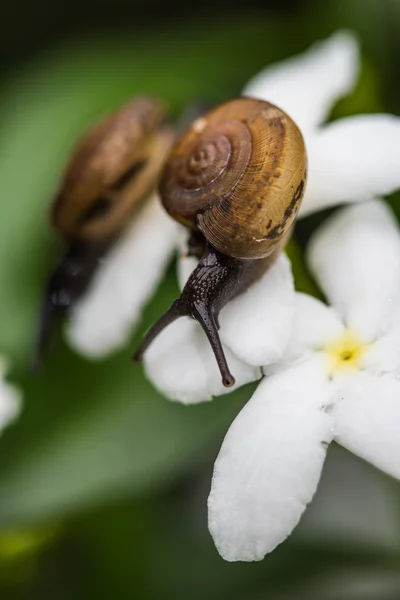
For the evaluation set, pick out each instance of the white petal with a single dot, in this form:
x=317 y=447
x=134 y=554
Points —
x=256 y=325
x=355 y=256
x=270 y=462
x=352 y=159
x=182 y=366
x=103 y=320
x=10 y=399
x=383 y=356
x=307 y=85
x=315 y=326
x=367 y=416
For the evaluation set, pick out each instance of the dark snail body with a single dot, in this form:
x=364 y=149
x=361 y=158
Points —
x=217 y=279
x=113 y=169
x=65 y=285
x=236 y=178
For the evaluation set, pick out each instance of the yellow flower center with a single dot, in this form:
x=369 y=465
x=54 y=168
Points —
x=346 y=352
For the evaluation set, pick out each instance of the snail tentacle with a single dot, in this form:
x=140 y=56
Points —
x=172 y=314
x=216 y=279
x=209 y=323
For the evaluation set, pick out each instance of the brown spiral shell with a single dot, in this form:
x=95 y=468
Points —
x=113 y=167
x=238 y=174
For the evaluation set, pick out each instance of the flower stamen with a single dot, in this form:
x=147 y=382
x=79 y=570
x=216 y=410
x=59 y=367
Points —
x=346 y=352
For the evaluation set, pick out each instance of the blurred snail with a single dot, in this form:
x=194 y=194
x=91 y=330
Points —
x=114 y=167
x=236 y=178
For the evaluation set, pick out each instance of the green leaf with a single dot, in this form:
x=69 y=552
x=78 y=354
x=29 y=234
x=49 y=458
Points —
x=93 y=433
x=168 y=534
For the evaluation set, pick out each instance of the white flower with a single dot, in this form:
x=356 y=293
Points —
x=339 y=380
x=103 y=319
x=10 y=399
x=348 y=160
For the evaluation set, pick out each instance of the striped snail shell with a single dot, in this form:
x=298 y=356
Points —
x=236 y=178
x=238 y=175
x=114 y=167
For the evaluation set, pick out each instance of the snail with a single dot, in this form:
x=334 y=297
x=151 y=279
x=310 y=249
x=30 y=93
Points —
x=114 y=167
x=236 y=179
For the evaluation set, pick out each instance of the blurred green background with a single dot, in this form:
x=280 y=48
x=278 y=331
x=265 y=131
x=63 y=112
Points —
x=103 y=483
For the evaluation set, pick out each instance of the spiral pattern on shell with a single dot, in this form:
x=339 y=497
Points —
x=238 y=174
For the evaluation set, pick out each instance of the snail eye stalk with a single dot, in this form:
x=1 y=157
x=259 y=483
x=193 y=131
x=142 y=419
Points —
x=214 y=281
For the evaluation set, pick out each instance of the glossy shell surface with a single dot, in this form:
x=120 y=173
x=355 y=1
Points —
x=113 y=167
x=238 y=174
